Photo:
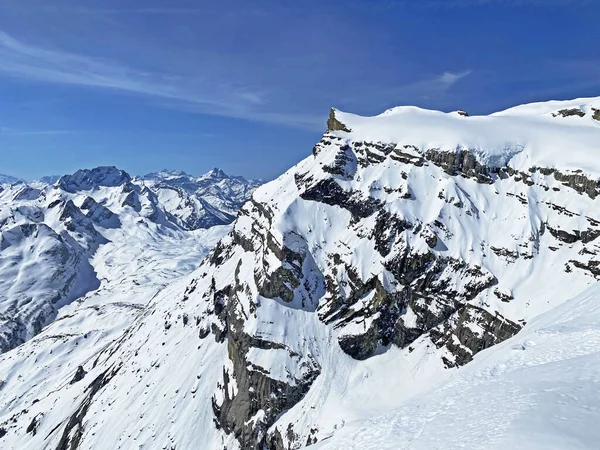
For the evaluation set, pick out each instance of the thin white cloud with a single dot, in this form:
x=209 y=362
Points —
x=449 y=79
x=434 y=85
x=23 y=60
x=27 y=61
x=200 y=95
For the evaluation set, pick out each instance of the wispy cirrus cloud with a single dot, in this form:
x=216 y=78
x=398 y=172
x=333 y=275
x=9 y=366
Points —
x=436 y=86
x=55 y=66
x=444 y=81
x=196 y=94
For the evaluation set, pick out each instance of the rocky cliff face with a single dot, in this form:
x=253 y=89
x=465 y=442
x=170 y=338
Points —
x=392 y=246
x=403 y=246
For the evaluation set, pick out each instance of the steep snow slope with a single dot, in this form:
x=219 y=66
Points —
x=349 y=287
x=201 y=202
x=538 y=390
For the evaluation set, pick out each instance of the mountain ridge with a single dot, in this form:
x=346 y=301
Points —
x=392 y=258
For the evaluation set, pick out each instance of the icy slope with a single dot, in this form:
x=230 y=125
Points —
x=368 y=274
x=538 y=390
x=201 y=202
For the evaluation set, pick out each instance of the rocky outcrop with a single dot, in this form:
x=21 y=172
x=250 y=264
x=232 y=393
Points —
x=331 y=193
x=469 y=331
x=570 y=112
x=100 y=214
x=334 y=124
x=73 y=430
x=461 y=162
x=577 y=181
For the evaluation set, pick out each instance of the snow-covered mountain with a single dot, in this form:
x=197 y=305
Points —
x=201 y=202
x=9 y=179
x=356 y=303
x=50 y=234
x=49 y=179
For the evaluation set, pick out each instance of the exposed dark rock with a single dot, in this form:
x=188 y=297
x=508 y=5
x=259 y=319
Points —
x=335 y=125
x=503 y=296
x=329 y=192
x=255 y=390
x=460 y=162
x=100 y=214
x=577 y=181
x=84 y=180
x=569 y=112
x=73 y=431
x=79 y=375
x=507 y=255
x=593 y=267
x=32 y=427
x=570 y=238
x=387 y=231
x=343 y=164
x=132 y=200
x=494 y=329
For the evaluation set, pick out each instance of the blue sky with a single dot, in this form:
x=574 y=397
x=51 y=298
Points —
x=247 y=85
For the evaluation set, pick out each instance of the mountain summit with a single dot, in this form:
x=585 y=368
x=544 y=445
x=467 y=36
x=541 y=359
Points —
x=358 y=295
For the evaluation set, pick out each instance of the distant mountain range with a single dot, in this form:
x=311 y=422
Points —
x=8 y=179
x=200 y=202
x=50 y=231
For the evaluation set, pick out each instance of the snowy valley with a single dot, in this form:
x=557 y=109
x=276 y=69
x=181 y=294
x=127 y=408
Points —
x=417 y=270
x=100 y=227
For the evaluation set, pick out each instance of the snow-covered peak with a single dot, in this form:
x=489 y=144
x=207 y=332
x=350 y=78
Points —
x=49 y=179
x=9 y=179
x=50 y=231
x=523 y=137
x=88 y=179
x=215 y=173
x=166 y=175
